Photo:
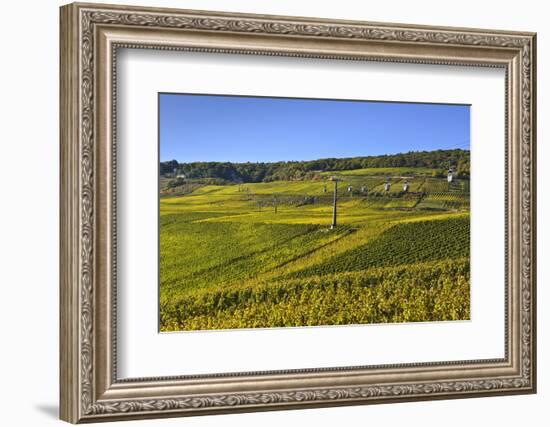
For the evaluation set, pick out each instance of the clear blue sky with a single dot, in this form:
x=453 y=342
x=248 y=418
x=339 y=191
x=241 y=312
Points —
x=255 y=129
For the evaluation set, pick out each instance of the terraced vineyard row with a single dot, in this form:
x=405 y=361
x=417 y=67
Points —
x=445 y=200
x=404 y=243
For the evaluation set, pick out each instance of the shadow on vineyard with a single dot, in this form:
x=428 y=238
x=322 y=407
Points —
x=403 y=243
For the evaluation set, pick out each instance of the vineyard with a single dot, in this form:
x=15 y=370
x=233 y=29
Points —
x=403 y=243
x=245 y=255
x=433 y=291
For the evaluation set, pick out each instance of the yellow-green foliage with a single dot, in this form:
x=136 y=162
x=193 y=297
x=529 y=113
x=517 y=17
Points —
x=261 y=255
x=433 y=291
x=442 y=200
x=403 y=243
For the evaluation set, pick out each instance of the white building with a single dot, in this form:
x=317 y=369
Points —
x=450 y=175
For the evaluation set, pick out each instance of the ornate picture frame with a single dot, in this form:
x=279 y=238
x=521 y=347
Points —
x=90 y=37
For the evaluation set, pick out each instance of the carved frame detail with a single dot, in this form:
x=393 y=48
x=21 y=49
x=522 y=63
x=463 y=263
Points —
x=80 y=401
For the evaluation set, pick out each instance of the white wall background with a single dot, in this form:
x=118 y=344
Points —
x=29 y=171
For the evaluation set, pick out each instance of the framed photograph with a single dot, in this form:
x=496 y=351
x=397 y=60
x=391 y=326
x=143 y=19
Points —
x=266 y=212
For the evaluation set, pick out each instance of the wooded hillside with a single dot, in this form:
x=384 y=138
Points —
x=439 y=160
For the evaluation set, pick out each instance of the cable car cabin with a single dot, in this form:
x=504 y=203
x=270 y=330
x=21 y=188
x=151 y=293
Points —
x=387 y=186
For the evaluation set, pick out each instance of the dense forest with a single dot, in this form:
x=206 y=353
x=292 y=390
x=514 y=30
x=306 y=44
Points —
x=439 y=160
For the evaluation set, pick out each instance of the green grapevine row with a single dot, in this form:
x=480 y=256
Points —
x=404 y=243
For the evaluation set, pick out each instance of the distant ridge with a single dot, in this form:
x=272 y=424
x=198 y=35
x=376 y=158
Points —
x=459 y=159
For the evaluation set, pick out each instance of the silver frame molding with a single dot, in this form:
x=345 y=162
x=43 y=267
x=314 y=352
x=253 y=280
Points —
x=90 y=37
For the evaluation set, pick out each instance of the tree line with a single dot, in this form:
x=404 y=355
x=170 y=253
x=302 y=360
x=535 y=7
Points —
x=439 y=160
